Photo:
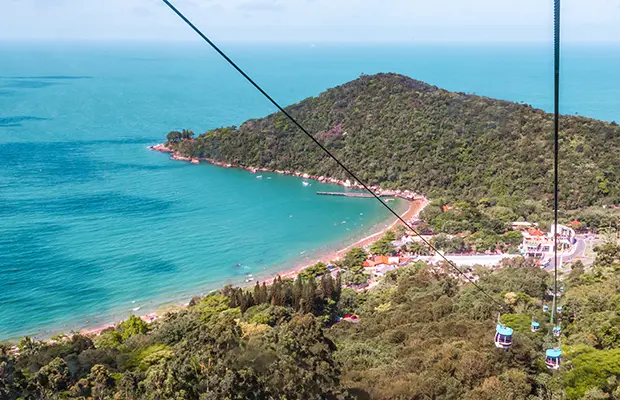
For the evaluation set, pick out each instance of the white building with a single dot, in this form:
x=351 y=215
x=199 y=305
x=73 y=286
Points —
x=540 y=245
x=566 y=235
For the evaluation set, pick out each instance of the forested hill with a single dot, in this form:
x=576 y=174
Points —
x=401 y=133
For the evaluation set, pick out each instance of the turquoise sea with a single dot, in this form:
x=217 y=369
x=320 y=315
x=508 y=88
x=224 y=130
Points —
x=93 y=226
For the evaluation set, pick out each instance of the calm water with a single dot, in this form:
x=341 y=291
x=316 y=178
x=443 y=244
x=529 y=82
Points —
x=93 y=225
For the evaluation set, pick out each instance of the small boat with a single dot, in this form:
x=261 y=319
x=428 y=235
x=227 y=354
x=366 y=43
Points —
x=305 y=183
x=259 y=177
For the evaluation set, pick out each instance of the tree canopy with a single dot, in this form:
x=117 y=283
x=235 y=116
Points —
x=401 y=133
x=422 y=334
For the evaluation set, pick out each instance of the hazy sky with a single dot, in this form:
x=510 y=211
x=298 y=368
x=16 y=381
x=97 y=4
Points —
x=310 y=20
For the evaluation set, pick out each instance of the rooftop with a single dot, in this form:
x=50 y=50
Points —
x=503 y=330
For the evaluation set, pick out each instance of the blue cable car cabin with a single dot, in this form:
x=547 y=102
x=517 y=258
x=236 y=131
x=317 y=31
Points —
x=556 y=331
x=535 y=326
x=503 y=336
x=545 y=308
x=552 y=358
x=559 y=309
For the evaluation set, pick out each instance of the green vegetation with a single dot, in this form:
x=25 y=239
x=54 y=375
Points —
x=383 y=246
x=317 y=269
x=176 y=137
x=354 y=258
x=422 y=335
x=481 y=228
x=401 y=133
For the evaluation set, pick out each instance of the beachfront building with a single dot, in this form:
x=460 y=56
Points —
x=536 y=243
x=381 y=260
x=566 y=235
x=540 y=245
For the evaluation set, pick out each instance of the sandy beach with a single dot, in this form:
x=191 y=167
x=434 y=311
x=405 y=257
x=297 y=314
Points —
x=415 y=205
x=413 y=210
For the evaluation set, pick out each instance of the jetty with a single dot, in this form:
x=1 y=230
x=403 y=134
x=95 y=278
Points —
x=348 y=194
x=382 y=193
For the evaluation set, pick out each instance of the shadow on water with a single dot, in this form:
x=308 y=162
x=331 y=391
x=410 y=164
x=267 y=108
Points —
x=37 y=82
x=43 y=280
x=29 y=84
x=50 y=77
x=6 y=122
x=53 y=163
x=84 y=206
x=40 y=278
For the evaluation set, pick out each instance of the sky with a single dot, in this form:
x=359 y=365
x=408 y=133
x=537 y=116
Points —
x=311 y=20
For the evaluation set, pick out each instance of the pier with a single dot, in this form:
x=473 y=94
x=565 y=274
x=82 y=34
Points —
x=347 y=194
x=391 y=194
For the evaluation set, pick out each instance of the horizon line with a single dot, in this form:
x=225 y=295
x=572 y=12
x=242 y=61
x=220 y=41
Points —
x=304 y=42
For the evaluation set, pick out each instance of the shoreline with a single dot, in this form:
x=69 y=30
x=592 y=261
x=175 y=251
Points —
x=413 y=210
x=416 y=204
x=403 y=194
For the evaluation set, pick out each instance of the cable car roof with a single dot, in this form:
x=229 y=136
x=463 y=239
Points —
x=503 y=330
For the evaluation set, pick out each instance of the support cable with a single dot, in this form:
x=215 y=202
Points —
x=345 y=168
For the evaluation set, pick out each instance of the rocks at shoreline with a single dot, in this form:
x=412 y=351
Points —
x=404 y=194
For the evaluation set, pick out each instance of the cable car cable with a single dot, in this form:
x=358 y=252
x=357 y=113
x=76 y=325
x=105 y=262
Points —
x=347 y=170
x=553 y=356
x=556 y=145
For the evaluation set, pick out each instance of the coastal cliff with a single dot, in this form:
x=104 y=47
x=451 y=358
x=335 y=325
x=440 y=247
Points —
x=397 y=133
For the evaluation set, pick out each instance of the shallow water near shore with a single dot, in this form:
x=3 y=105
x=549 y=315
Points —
x=94 y=226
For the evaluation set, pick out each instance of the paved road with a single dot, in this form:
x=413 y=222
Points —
x=576 y=254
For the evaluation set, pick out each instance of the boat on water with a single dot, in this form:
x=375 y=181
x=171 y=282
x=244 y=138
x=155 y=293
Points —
x=259 y=177
x=306 y=183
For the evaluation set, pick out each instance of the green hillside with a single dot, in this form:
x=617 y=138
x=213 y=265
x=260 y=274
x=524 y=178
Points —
x=401 y=133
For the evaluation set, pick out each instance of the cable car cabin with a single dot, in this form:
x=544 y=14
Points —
x=535 y=326
x=545 y=308
x=552 y=358
x=503 y=336
x=556 y=331
x=559 y=309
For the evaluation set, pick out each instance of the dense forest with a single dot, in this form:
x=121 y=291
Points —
x=421 y=334
x=397 y=132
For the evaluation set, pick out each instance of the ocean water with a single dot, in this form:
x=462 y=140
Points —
x=93 y=226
